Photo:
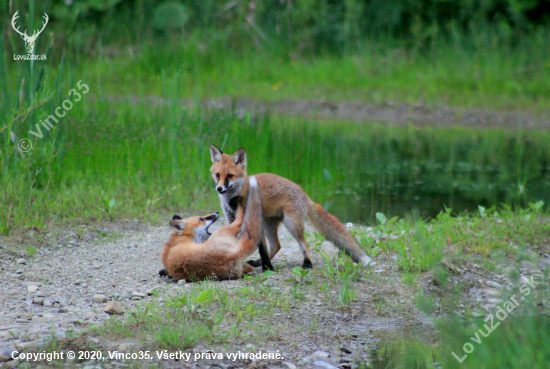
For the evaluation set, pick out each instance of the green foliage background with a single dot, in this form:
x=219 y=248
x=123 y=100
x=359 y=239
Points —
x=304 y=25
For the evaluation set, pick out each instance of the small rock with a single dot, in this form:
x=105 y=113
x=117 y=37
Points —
x=289 y=365
x=100 y=298
x=38 y=300
x=48 y=303
x=524 y=280
x=7 y=355
x=527 y=265
x=113 y=308
x=21 y=261
x=32 y=344
x=181 y=281
x=345 y=349
x=491 y=292
x=124 y=347
x=138 y=294
x=322 y=354
x=545 y=264
x=319 y=364
x=5 y=335
x=89 y=314
x=63 y=310
x=32 y=288
x=493 y=284
x=153 y=290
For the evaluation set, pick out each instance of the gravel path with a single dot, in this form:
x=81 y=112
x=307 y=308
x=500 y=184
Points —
x=75 y=274
x=402 y=114
x=66 y=287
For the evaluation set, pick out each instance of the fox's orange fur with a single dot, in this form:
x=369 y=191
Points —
x=283 y=201
x=223 y=254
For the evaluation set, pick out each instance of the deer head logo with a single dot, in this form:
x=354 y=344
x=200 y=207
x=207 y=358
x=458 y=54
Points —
x=29 y=40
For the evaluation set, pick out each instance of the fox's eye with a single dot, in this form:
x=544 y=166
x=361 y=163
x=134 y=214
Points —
x=230 y=176
x=218 y=175
x=201 y=220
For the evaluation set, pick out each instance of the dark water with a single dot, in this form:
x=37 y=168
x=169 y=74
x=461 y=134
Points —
x=357 y=171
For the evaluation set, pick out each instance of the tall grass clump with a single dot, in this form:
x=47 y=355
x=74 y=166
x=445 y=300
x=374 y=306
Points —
x=151 y=155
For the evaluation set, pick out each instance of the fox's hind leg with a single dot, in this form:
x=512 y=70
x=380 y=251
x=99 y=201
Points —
x=296 y=229
x=247 y=268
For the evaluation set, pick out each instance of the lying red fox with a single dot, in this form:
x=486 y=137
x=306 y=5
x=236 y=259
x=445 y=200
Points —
x=193 y=254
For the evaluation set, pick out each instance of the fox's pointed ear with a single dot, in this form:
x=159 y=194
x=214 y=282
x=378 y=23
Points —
x=240 y=157
x=216 y=154
x=177 y=225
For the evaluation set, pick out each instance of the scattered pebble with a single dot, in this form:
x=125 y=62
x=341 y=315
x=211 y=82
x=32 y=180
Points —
x=100 y=298
x=113 y=308
x=319 y=364
x=493 y=284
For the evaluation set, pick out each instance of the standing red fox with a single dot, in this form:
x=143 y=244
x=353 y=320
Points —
x=283 y=201
x=193 y=254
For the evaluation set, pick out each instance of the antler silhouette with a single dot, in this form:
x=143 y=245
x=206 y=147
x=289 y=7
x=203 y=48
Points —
x=15 y=16
x=29 y=40
x=35 y=35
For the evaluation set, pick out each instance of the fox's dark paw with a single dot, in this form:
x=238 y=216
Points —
x=163 y=273
x=307 y=264
x=255 y=263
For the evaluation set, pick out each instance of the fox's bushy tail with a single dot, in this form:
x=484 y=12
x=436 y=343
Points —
x=251 y=230
x=336 y=232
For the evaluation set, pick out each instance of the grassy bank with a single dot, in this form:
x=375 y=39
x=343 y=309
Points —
x=455 y=73
x=281 y=307
x=106 y=160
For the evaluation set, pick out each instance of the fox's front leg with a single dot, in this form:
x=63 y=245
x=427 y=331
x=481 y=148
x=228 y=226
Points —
x=229 y=213
x=229 y=207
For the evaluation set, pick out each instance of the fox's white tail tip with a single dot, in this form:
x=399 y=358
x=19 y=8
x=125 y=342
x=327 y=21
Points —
x=366 y=261
x=252 y=182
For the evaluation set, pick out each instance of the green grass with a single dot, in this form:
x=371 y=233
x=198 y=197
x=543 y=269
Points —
x=117 y=159
x=519 y=341
x=420 y=245
x=250 y=310
x=112 y=161
x=454 y=73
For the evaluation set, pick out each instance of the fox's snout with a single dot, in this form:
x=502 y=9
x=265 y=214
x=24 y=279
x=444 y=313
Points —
x=223 y=186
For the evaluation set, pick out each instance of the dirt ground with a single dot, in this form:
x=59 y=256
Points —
x=70 y=268
x=53 y=292
x=401 y=114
